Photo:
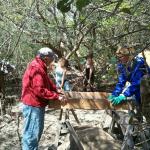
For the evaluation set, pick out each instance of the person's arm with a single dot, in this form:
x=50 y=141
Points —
x=39 y=89
x=121 y=80
x=63 y=78
x=52 y=85
x=136 y=76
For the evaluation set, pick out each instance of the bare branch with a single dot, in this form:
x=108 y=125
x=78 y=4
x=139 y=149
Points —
x=5 y=42
x=46 y=43
x=76 y=47
x=39 y=12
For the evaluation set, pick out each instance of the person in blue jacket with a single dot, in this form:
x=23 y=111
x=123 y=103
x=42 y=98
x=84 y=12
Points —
x=131 y=70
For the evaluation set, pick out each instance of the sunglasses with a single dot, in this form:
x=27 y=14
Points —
x=121 y=56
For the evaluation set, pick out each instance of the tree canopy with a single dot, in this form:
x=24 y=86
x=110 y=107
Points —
x=72 y=28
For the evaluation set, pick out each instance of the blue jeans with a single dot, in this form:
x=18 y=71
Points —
x=33 y=126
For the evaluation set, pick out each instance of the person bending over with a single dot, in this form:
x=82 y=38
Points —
x=131 y=70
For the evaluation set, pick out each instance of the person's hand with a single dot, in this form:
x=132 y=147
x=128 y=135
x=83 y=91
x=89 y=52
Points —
x=117 y=100
x=59 y=91
x=62 y=99
x=110 y=97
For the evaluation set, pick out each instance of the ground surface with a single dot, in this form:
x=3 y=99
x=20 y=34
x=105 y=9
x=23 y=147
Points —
x=92 y=137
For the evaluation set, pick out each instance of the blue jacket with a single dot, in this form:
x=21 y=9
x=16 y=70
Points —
x=132 y=74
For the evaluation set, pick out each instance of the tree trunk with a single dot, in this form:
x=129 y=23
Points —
x=145 y=97
x=2 y=95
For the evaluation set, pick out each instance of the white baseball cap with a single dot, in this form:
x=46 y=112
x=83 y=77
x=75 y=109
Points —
x=45 y=51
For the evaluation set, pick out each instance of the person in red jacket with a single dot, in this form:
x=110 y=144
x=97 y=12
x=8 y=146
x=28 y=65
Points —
x=37 y=90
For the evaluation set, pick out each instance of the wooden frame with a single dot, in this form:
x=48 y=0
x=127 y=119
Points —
x=86 y=100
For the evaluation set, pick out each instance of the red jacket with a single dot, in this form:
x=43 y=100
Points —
x=37 y=88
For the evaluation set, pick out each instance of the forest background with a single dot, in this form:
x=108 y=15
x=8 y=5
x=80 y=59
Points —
x=73 y=29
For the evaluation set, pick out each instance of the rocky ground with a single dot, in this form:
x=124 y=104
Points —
x=89 y=131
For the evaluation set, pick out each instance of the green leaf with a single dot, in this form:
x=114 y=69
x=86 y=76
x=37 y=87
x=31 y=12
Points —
x=82 y=3
x=64 y=5
x=126 y=10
